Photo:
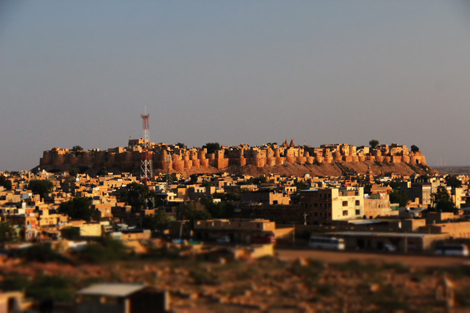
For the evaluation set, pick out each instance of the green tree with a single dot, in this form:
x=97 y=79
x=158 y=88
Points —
x=40 y=187
x=181 y=145
x=189 y=212
x=440 y=195
x=442 y=200
x=74 y=171
x=261 y=179
x=159 y=221
x=137 y=195
x=77 y=208
x=77 y=148
x=5 y=183
x=102 y=171
x=394 y=184
x=212 y=147
x=400 y=197
x=301 y=185
x=374 y=143
x=453 y=181
x=193 y=178
x=233 y=195
x=414 y=148
x=7 y=233
x=206 y=183
x=222 y=209
x=310 y=150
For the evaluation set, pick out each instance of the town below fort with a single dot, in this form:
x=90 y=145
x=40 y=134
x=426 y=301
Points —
x=272 y=228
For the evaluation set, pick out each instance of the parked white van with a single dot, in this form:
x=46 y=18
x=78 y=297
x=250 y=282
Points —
x=457 y=249
x=326 y=243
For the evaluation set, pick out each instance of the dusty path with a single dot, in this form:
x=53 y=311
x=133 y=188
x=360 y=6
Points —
x=344 y=256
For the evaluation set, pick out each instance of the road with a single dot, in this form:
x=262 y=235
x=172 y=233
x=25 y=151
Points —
x=285 y=253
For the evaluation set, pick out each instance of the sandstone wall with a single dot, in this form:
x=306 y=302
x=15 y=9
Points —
x=127 y=159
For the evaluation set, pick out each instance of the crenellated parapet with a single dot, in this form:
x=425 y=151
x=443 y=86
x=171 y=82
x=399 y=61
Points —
x=180 y=159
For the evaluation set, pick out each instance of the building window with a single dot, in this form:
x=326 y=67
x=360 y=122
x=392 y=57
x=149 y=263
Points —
x=358 y=212
x=345 y=213
x=358 y=202
x=345 y=203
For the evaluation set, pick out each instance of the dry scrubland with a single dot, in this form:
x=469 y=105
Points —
x=299 y=170
x=264 y=285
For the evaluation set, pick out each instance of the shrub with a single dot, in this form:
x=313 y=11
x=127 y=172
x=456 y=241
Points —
x=41 y=253
x=51 y=287
x=105 y=251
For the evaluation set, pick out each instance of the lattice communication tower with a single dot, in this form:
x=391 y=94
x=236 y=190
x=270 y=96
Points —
x=146 y=164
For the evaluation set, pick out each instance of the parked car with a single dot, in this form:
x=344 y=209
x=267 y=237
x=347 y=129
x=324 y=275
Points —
x=263 y=239
x=223 y=239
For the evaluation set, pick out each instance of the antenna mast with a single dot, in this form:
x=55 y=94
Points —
x=146 y=164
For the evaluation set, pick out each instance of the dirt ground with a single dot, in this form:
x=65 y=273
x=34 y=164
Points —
x=288 y=254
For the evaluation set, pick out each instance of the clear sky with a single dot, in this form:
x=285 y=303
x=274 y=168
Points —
x=82 y=72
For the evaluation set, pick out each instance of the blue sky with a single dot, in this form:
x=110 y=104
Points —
x=82 y=72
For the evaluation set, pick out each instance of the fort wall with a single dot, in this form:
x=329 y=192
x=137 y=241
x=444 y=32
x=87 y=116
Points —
x=179 y=159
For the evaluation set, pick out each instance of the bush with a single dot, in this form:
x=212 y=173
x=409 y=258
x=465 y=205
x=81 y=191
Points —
x=14 y=282
x=70 y=233
x=7 y=232
x=41 y=253
x=203 y=277
x=51 y=287
x=107 y=250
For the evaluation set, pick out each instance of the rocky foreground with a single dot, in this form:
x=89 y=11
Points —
x=264 y=285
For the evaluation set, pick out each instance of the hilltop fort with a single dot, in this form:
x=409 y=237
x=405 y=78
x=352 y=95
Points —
x=180 y=159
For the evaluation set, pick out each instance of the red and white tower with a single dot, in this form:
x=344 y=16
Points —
x=146 y=164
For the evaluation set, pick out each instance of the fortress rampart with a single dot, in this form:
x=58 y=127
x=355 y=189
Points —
x=179 y=159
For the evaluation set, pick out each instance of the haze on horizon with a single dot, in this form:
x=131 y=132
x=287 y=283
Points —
x=81 y=73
